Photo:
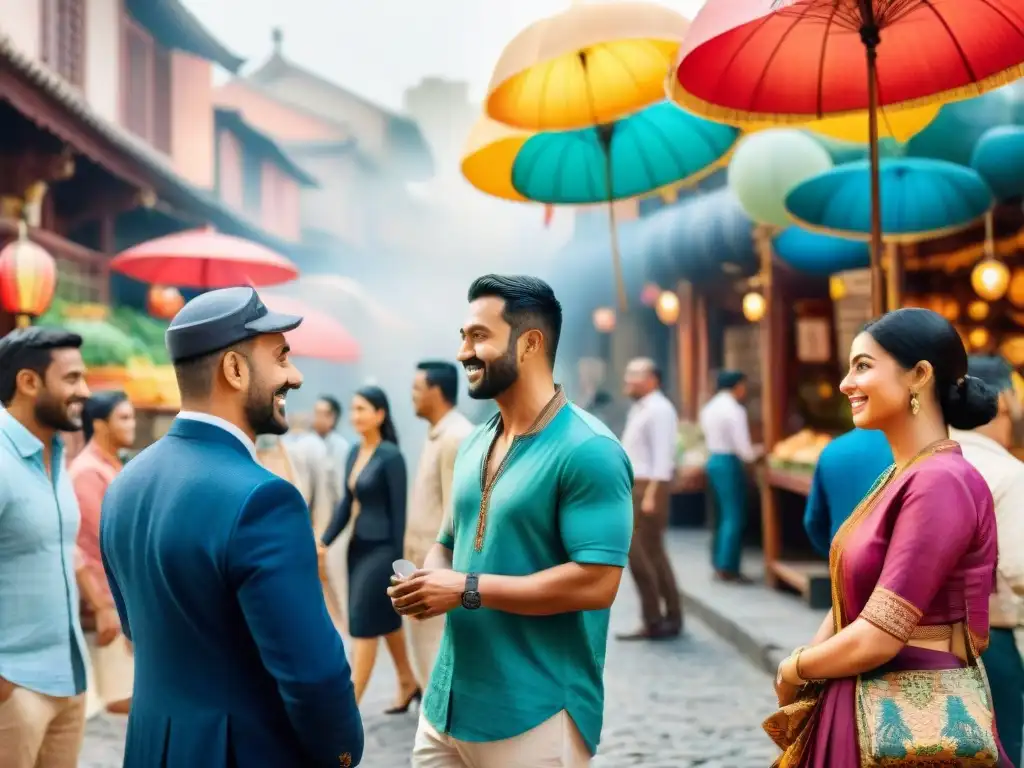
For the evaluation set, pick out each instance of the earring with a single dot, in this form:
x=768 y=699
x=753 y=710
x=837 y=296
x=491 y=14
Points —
x=915 y=404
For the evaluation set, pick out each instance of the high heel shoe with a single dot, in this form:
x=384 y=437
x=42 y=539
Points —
x=416 y=696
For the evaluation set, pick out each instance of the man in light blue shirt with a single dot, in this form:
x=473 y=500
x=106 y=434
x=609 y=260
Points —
x=42 y=650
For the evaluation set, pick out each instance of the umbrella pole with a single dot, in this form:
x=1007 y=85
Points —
x=870 y=36
x=604 y=133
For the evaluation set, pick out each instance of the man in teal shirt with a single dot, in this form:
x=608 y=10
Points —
x=529 y=562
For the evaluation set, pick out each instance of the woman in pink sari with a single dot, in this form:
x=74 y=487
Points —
x=914 y=565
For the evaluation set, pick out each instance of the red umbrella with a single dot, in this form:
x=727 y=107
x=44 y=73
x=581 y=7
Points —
x=792 y=61
x=320 y=336
x=204 y=259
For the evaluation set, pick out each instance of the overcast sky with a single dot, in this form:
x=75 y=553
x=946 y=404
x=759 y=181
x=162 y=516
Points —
x=380 y=47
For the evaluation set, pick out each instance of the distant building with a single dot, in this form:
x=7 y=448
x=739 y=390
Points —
x=107 y=108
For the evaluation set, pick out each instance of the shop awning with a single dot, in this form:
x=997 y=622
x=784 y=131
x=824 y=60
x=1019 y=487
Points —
x=702 y=238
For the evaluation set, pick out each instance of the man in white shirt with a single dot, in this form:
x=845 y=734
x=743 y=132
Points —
x=650 y=440
x=435 y=391
x=726 y=428
x=986 y=448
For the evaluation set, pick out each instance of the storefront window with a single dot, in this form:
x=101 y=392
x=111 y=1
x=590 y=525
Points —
x=78 y=283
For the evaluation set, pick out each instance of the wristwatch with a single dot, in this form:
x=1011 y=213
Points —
x=470 y=596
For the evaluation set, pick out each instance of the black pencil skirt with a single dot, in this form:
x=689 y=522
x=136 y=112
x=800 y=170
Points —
x=370 y=613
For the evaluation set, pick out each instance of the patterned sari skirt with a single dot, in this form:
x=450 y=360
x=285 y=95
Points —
x=832 y=742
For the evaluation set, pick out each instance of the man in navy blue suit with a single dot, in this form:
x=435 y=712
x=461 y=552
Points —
x=213 y=566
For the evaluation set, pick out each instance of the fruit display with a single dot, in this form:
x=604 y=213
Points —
x=799 y=451
x=123 y=349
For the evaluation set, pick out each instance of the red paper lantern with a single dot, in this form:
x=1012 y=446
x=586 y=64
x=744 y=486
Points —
x=164 y=302
x=28 y=277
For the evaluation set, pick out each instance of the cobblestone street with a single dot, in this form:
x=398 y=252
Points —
x=690 y=702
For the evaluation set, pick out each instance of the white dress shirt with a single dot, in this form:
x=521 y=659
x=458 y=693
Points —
x=651 y=437
x=227 y=426
x=1004 y=474
x=726 y=428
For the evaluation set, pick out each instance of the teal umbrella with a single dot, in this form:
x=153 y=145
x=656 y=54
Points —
x=953 y=134
x=653 y=148
x=999 y=158
x=921 y=199
x=656 y=147
x=819 y=254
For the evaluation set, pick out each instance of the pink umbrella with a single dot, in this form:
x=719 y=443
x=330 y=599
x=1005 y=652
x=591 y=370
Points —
x=204 y=259
x=320 y=336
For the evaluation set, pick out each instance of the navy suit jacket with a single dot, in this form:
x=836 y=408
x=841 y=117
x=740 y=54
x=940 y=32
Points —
x=212 y=563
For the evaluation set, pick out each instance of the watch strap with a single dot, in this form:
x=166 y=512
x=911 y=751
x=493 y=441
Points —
x=472 y=582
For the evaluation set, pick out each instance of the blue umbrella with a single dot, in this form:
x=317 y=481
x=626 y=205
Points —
x=819 y=254
x=999 y=158
x=650 y=149
x=921 y=199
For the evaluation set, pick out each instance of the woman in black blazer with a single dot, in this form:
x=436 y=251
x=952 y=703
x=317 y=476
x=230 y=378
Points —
x=375 y=491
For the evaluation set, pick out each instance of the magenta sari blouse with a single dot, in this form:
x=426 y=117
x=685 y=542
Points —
x=923 y=555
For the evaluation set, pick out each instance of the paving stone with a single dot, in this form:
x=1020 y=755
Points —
x=694 y=701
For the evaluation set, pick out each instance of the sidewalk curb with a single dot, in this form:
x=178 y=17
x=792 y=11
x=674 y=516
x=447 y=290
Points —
x=761 y=654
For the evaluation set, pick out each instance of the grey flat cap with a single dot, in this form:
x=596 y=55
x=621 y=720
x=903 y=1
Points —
x=218 y=319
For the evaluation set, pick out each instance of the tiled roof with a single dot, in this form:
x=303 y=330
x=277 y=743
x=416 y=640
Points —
x=175 y=26
x=232 y=120
x=155 y=168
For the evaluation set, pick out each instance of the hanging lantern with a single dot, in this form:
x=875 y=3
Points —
x=28 y=278
x=978 y=338
x=667 y=307
x=754 y=307
x=604 y=319
x=164 y=302
x=1015 y=293
x=977 y=311
x=649 y=295
x=836 y=288
x=990 y=279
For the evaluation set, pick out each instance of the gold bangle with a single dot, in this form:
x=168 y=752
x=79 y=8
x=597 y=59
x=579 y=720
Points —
x=796 y=665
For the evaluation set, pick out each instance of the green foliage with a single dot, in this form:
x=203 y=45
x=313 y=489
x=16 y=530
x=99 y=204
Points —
x=124 y=335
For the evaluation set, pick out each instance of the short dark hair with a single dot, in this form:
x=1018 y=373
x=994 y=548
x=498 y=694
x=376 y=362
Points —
x=994 y=370
x=195 y=374
x=332 y=403
x=444 y=376
x=30 y=349
x=529 y=303
x=730 y=379
x=99 y=407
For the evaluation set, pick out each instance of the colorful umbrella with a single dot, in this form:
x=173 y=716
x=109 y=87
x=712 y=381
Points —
x=320 y=336
x=792 y=61
x=588 y=65
x=203 y=259
x=819 y=254
x=923 y=199
x=650 y=149
x=999 y=159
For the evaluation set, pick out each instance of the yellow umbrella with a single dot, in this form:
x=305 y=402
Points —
x=900 y=125
x=588 y=65
x=490 y=152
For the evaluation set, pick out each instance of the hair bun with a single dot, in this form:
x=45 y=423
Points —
x=971 y=404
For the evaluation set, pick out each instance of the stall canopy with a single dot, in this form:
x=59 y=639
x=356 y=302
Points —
x=702 y=238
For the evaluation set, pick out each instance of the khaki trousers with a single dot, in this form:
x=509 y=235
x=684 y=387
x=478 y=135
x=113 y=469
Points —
x=424 y=641
x=39 y=731
x=555 y=743
x=113 y=669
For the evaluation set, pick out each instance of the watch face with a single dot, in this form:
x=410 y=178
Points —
x=471 y=600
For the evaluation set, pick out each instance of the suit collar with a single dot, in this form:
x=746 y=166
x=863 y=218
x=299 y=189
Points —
x=210 y=429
